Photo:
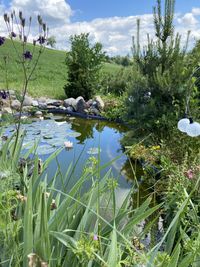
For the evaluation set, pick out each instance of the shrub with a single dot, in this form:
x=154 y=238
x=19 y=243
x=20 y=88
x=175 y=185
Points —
x=84 y=63
x=161 y=88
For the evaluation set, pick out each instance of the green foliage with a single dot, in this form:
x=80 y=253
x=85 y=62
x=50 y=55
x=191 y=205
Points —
x=158 y=93
x=116 y=82
x=84 y=63
x=51 y=41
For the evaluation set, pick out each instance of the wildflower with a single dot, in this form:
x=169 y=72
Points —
x=27 y=55
x=13 y=34
x=41 y=40
x=2 y=40
x=95 y=237
x=68 y=144
x=189 y=174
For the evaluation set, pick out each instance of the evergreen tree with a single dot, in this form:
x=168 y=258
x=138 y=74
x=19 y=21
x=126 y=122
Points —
x=84 y=63
x=157 y=95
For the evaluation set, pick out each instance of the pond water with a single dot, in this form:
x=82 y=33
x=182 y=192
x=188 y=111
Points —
x=88 y=137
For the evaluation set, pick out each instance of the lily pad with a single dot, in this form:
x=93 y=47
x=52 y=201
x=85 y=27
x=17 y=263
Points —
x=93 y=151
x=73 y=134
x=45 y=149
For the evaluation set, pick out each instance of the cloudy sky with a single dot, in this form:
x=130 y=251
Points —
x=111 y=22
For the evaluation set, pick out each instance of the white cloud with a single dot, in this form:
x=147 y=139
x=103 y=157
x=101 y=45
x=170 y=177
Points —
x=52 y=11
x=115 y=33
x=196 y=11
x=188 y=19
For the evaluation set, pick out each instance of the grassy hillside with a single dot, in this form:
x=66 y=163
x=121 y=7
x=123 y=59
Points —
x=49 y=77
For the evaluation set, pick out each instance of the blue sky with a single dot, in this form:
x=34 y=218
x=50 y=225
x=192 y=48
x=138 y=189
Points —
x=91 y=9
x=111 y=22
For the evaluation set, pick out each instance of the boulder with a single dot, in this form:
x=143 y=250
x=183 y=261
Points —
x=27 y=109
x=94 y=111
x=5 y=102
x=62 y=108
x=51 y=107
x=6 y=110
x=42 y=105
x=38 y=114
x=27 y=101
x=35 y=103
x=100 y=103
x=80 y=105
x=15 y=104
x=54 y=102
x=89 y=102
x=70 y=102
x=70 y=109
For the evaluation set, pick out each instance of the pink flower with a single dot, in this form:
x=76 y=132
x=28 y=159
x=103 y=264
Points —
x=95 y=237
x=189 y=174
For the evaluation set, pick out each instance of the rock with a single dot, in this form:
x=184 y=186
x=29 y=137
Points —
x=70 y=102
x=94 y=111
x=27 y=101
x=15 y=104
x=5 y=102
x=38 y=114
x=89 y=102
x=54 y=102
x=80 y=104
x=6 y=110
x=100 y=103
x=51 y=107
x=12 y=93
x=42 y=105
x=70 y=109
x=27 y=108
x=35 y=103
x=62 y=108
x=94 y=104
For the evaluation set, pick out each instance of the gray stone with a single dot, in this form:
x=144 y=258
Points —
x=15 y=104
x=62 y=108
x=42 y=105
x=70 y=102
x=35 y=103
x=51 y=107
x=54 y=102
x=80 y=104
x=27 y=101
x=5 y=102
x=94 y=104
x=94 y=111
x=38 y=113
x=27 y=108
x=89 y=102
x=100 y=103
x=70 y=109
x=6 y=110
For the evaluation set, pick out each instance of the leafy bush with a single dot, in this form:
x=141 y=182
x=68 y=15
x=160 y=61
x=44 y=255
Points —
x=160 y=90
x=84 y=63
x=116 y=83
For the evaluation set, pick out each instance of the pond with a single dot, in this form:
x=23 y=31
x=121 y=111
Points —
x=89 y=138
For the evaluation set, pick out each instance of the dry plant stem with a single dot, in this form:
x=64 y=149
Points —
x=25 y=88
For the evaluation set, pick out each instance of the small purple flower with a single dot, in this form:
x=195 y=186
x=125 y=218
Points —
x=2 y=40
x=41 y=40
x=3 y=94
x=95 y=238
x=27 y=55
x=13 y=34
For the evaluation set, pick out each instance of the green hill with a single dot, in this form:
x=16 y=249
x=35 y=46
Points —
x=49 y=76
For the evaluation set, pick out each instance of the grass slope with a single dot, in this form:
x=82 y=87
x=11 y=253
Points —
x=49 y=76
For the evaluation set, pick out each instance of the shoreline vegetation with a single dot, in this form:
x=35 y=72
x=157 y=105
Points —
x=45 y=226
